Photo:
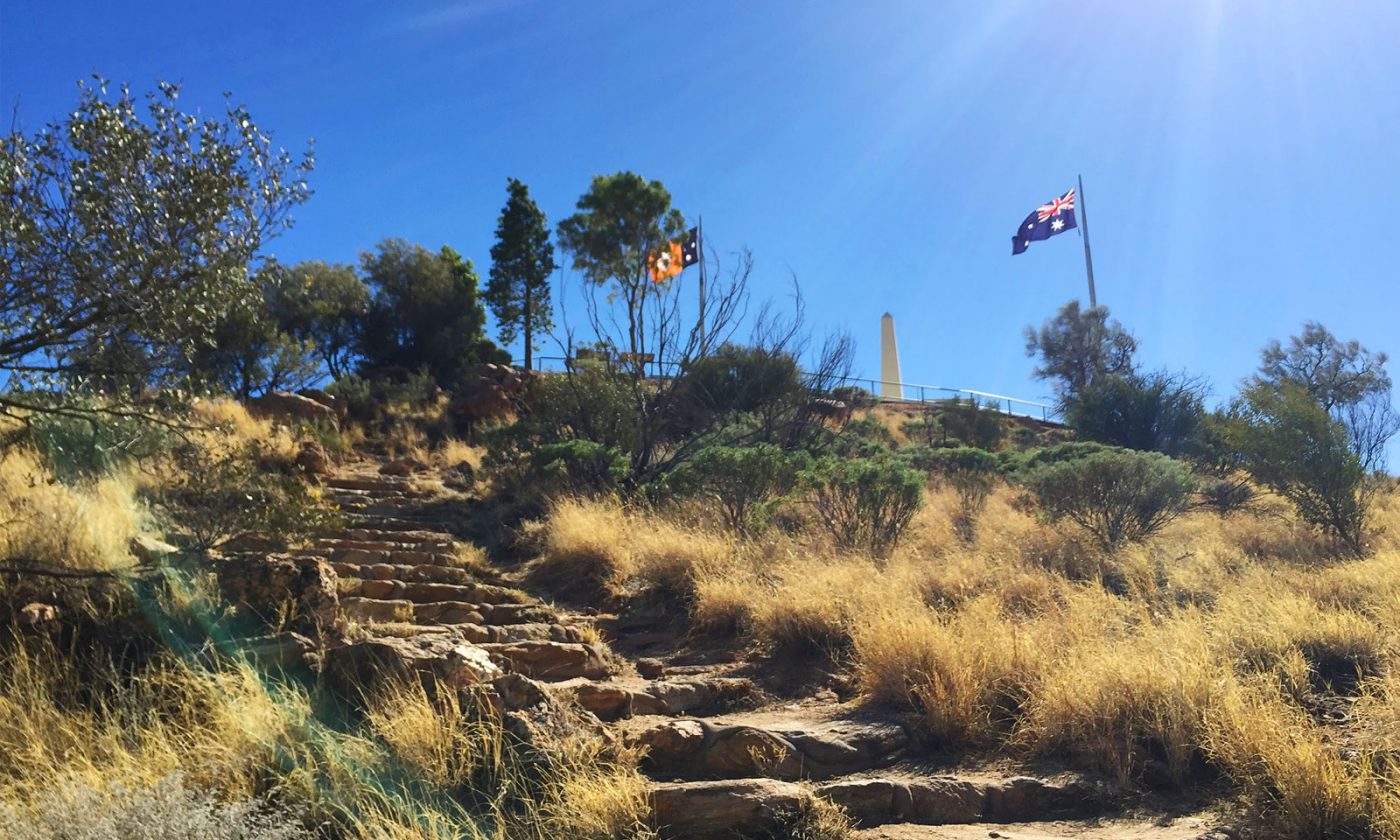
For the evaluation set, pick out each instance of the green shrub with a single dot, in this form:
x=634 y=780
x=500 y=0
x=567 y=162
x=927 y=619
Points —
x=746 y=481
x=1225 y=495
x=972 y=473
x=215 y=497
x=1157 y=412
x=1289 y=443
x=735 y=380
x=865 y=502
x=864 y=438
x=971 y=423
x=1116 y=495
x=1019 y=463
x=578 y=466
x=76 y=448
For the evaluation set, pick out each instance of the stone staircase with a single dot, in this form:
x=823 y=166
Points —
x=724 y=762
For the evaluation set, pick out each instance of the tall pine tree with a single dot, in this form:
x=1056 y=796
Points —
x=521 y=261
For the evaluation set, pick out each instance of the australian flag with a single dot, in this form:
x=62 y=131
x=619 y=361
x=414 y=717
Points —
x=1046 y=221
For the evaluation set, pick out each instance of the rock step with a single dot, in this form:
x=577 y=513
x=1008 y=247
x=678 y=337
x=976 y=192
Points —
x=714 y=749
x=955 y=800
x=379 y=522
x=373 y=484
x=434 y=546
x=710 y=810
x=380 y=610
x=360 y=557
x=551 y=660
x=375 y=535
x=695 y=695
x=426 y=593
x=485 y=633
x=426 y=573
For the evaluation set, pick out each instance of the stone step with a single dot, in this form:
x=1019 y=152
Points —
x=361 y=557
x=551 y=660
x=711 y=810
x=379 y=610
x=694 y=695
x=732 y=748
x=379 y=522
x=373 y=484
x=485 y=633
x=956 y=800
x=420 y=536
x=438 y=546
x=434 y=592
x=425 y=573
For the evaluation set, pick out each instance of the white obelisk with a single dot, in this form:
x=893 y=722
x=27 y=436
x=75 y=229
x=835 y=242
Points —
x=891 y=386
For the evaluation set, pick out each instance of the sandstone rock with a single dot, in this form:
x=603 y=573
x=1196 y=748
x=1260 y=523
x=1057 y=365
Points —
x=651 y=669
x=952 y=800
x=353 y=667
x=313 y=459
x=320 y=396
x=149 y=550
x=260 y=589
x=36 y=613
x=730 y=750
x=251 y=542
x=552 y=660
x=287 y=407
x=406 y=465
x=725 y=809
x=281 y=650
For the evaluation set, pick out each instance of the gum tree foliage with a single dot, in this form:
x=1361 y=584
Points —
x=1289 y=443
x=320 y=304
x=1077 y=347
x=521 y=261
x=424 y=314
x=126 y=232
x=1348 y=381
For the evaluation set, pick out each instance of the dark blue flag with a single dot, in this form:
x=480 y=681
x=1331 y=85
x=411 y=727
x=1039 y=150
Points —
x=1046 y=221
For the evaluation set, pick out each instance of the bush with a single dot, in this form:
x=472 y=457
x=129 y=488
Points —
x=578 y=466
x=735 y=380
x=166 y=811
x=89 y=447
x=1116 y=495
x=971 y=423
x=213 y=497
x=1225 y=495
x=1156 y=412
x=865 y=502
x=1290 y=444
x=1020 y=463
x=864 y=438
x=746 y=481
x=972 y=473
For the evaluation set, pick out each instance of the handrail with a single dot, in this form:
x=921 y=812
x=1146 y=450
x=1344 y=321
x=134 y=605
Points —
x=1001 y=402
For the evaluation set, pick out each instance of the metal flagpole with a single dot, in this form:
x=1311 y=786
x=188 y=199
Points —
x=700 y=249
x=1084 y=226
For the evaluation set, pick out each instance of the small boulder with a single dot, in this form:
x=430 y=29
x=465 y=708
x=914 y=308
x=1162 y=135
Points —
x=432 y=658
x=149 y=550
x=286 y=407
x=725 y=809
x=313 y=460
x=406 y=465
x=261 y=589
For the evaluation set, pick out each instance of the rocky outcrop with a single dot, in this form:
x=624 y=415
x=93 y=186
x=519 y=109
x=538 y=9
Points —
x=488 y=392
x=354 y=668
x=552 y=660
x=282 y=592
x=286 y=407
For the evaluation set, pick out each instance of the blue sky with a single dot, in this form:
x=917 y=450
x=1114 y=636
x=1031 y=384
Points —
x=1239 y=156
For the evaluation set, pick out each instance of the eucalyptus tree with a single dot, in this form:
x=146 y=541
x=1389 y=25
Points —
x=129 y=223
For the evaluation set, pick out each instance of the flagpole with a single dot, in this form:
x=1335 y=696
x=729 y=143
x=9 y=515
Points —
x=700 y=247
x=1084 y=226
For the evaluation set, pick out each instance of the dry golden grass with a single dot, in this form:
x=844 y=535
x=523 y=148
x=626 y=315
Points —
x=1205 y=646
x=88 y=526
x=598 y=547
x=228 y=427
x=418 y=767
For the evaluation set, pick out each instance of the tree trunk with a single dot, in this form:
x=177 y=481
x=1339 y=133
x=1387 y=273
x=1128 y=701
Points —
x=528 y=349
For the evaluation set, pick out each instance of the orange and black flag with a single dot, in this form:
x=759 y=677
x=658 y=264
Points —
x=674 y=257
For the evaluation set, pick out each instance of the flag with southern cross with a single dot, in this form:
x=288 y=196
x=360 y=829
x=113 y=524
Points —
x=674 y=257
x=1045 y=221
